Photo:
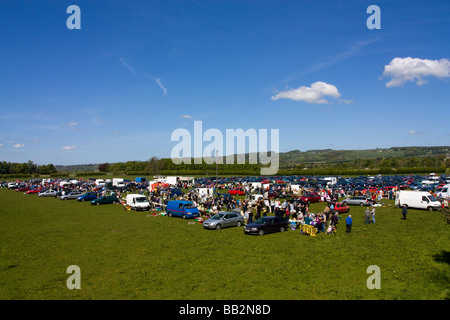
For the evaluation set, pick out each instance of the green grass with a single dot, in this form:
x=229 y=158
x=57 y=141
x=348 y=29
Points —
x=135 y=255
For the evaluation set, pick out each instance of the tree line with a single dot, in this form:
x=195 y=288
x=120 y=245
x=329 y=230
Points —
x=11 y=168
x=155 y=166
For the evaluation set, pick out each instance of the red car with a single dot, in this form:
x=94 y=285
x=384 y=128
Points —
x=310 y=197
x=35 y=190
x=23 y=189
x=341 y=208
x=238 y=192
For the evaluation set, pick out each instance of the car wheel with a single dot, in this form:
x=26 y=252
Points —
x=169 y=214
x=361 y=204
x=344 y=203
x=97 y=203
x=184 y=216
x=261 y=232
x=282 y=229
x=218 y=226
x=430 y=208
x=238 y=224
x=83 y=200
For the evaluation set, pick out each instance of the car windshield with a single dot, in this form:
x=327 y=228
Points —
x=432 y=198
x=190 y=206
x=261 y=221
x=141 y=199
x=218 y=216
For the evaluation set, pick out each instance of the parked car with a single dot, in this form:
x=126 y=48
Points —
x=224 y=219
x=356 y=200
x=310 y=197
x=23 y=188
x=341 y=208
x=105 y=200
x=48 y=193
x=235 y=192
x=70 y=195
x=35 y=190
x=267 y=225
x=12 y=185
x=88 y=196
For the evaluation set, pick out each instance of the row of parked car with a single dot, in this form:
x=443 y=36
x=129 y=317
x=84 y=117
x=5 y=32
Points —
x=428 y=182
x=93 y=197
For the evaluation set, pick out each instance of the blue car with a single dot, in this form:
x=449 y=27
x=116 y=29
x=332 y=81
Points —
x=88 y=196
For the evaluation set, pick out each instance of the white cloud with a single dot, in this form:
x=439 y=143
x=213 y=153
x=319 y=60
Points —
x=72 y=125
x=68 y=148
x=414 y=132
x=18 y=145
x=1 y=145
x=314 y=94
x=126 y=65
x=159 y=83
x=402 y=70
x=186 y=116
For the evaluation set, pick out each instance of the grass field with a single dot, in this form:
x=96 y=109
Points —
x=135 y=255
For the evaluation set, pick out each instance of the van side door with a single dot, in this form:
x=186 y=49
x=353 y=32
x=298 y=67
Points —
x=424 y=202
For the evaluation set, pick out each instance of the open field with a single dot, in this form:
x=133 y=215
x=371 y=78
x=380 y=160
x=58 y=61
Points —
x=135 y=255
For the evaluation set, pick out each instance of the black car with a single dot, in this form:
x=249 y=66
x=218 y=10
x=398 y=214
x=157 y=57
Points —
x=267 y=225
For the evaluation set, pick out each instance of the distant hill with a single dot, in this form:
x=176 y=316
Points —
x=336 y=156
x=77 y=168
x=322 y=157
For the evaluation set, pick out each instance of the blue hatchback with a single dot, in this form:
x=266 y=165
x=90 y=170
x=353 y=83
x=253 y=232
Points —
x=88 y=196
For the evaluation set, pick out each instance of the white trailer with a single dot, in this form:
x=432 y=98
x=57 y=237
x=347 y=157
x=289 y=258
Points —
x=171 y=180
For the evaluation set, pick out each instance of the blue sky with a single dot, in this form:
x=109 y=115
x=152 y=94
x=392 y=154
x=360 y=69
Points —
x=117 y=88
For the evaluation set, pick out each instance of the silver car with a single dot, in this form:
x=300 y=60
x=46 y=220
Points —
x=223 y=220
x=356 y=200
x=71 y=195
x=48 y=193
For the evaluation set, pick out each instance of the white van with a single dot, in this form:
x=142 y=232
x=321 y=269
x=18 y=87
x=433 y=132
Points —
x=118 y=182
x=417 y=200
x=443 y=192
x=138 y=202
x=254 y=198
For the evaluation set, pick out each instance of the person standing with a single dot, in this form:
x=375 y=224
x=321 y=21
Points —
x=367 y=215
x=404 y=211
x=334 y=220
x=250 y=215
x=373 y=214
x=349 y=223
